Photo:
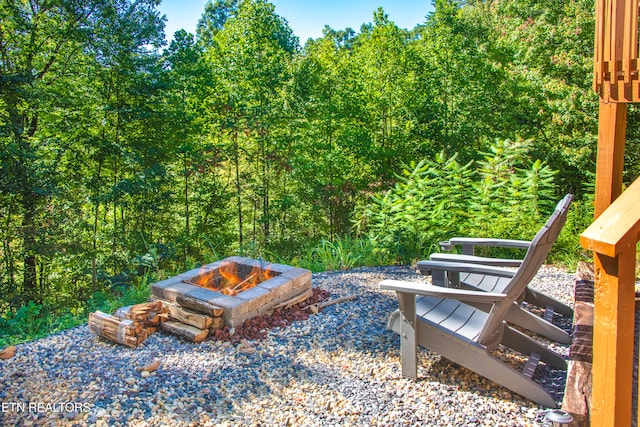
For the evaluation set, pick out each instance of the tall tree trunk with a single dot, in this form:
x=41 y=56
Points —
x=186 y=210
x=265 y=195
x=25 y=130
x=8 y=252
x=236 y=150
x=29 y=281
x=114 y=211
x=94 y=257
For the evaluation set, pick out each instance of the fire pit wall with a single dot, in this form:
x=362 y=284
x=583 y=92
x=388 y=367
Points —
x=289 y=282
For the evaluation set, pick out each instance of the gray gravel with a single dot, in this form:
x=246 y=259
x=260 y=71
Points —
x=339 y=368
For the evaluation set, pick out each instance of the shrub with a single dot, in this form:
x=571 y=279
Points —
x=506 y=195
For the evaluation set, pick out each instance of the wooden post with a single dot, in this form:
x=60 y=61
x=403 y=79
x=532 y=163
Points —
x=612 y=237
x=614 y=316
x=616 y=229
x=610 y=164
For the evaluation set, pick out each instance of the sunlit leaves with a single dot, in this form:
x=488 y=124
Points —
x=506 y=194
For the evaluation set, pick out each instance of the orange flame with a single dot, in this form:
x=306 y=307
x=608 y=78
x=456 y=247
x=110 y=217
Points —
x=231 y=283
x=229 y=272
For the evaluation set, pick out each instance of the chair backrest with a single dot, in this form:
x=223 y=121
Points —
x=533 y=260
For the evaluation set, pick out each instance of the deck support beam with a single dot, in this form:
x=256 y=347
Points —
x=612 y=130
x=614 y=316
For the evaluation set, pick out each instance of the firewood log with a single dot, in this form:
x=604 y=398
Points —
x=295 y=300
x=148 y=313
x=218 y=322
x=8 y=352
x=199 y=306
x=175 y=312
x=150 y=367
x=114 y=329
x=188 y=332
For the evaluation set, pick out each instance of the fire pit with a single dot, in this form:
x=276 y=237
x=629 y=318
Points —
x=240 y=288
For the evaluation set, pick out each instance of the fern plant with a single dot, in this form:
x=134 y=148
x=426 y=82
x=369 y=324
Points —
x=506 y=195
x=513 y=193
x=429 y=201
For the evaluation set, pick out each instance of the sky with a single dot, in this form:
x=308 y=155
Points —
x=307 y=18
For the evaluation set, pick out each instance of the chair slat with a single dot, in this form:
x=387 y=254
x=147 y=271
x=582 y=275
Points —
x=532 y=363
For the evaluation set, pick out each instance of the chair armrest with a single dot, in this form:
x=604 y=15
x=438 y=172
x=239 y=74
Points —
x=463 y=267
x=472 y=259
x=440 y=292
x=468 y=243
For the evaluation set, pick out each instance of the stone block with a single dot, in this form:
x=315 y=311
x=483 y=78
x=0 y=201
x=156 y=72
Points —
x=233 y=307
x=170 y=292
x=278 y=286
x=238 y=321
x=203 y=294
x=191 y=274
x=254 y=263
x=300 y=276
x=279 y=268
x=157 y=289
x=254 y=298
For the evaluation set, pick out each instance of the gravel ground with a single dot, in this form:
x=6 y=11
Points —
x=339 y=367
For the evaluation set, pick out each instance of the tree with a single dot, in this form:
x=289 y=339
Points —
x=38 y=40
x=546 y=50
x=215 y=16
x=380 y=66
x=251 y=55
x=45 y=50
x=461 y=92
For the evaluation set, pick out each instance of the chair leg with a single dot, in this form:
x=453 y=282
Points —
x=521 y=317
x=408 y=335
x=542 y=300
x=525 y=345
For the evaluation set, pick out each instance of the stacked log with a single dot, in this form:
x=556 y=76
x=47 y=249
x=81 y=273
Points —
x=129 y=325
x=147 y=315
x=195 y=320
x=199 y=306
x=198 y=320
x=182 y=330
x=191 y=319
x=120 y=331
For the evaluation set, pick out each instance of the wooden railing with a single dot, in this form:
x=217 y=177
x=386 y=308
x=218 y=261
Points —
x=615 y=65
x=613 y=237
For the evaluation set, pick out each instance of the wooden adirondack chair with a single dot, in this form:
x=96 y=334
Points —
x=445 y=320
x=517 y=315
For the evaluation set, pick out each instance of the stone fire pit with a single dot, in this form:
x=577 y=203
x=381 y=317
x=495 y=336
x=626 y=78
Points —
x=269 y=285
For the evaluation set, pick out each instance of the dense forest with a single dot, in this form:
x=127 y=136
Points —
x=123 y=159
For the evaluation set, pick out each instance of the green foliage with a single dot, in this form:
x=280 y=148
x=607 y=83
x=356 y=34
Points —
x=337 y=254
x=567 y=251
x=512 y=194
x=427 y=203
x=118 y=160
x=507 y=196
x=32 y=321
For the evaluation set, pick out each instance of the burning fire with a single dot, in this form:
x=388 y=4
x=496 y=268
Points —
x=231 y=283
